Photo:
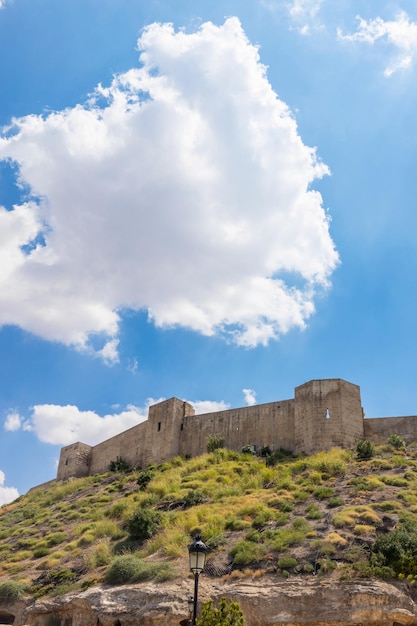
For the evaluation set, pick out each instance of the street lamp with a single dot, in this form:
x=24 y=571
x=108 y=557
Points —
x=197 y=552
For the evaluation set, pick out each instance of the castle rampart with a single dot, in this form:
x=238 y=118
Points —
x=323 y=414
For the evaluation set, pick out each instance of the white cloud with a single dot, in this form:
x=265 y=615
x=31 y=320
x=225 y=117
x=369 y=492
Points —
x=7 y=494
x=13 y=422
x=208 y=406
x=250 y=396
x=400 y=33
x=304 y=13
x=182 y=189
x=62 y=425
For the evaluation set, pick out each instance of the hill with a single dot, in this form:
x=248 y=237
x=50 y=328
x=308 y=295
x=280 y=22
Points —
x=328 y=516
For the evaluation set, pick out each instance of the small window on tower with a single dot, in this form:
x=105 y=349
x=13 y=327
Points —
x=159 y=426
x=327 y=414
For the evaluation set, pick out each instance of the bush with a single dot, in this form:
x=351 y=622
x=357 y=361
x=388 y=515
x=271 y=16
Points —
x=278 y=455
x=119 y=465
x=131 y=569
x=398 y=550
x=364 y=449
x=397 y=442
x=286 y=562
x=214 y=443
x=193 y=497
x=144 y=524
x=248 y=449
x=228 y=613
x=143 y=479
x=11 y=590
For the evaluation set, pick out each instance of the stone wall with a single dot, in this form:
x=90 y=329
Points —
x=378 y=429
x=323 y=414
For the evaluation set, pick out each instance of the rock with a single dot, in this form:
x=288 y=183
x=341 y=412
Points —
x=264 y=601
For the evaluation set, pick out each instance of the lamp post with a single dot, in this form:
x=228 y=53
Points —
x=197 y=553
x=190 y=603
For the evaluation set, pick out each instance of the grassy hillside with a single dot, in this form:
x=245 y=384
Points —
x=329 y=514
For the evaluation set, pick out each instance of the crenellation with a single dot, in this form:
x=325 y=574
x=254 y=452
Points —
x=322 y=415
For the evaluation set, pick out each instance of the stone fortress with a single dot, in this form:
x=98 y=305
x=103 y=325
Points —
x=323 y=414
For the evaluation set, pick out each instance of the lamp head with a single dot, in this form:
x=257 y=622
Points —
x=197 y=552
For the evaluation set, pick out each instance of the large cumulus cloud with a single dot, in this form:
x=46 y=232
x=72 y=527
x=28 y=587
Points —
x=182 y=189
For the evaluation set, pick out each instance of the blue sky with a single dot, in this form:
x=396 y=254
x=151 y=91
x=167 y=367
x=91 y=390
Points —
x=208 y=200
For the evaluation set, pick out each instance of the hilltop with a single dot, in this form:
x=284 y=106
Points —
x=266 y=520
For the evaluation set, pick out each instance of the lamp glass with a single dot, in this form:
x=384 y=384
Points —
x=197 y=561
x=197 y=553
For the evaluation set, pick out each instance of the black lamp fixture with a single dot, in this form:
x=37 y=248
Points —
x=197 y=552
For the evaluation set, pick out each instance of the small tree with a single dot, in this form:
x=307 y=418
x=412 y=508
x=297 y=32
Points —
x=228 y=613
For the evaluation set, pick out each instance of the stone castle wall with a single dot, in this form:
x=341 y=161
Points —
x=322 y=415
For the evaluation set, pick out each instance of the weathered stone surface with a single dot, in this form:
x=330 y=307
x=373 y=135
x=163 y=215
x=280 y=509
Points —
x=264 y=602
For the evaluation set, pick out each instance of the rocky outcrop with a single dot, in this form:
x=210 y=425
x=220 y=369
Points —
x=264 y=602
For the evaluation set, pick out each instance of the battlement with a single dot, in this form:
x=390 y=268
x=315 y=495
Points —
x=323 y=414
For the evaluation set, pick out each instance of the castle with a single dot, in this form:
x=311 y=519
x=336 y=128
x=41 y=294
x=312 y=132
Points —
x=323 y=414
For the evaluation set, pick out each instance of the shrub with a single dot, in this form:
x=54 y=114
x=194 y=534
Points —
x=323 y=492
x=248 y=449
x=228 y=613
x=398 y=550
x=286 y=562
x=193 y=497
x=397 y=442
x=278 y=455
x=214 y=443
x=119 y=465
x=143 y=479
x=143 y=524
x=131 y=569
x=11 y=590
x=245 y=552
x=364 y=449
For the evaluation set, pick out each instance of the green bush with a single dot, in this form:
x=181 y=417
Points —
x=323 y=492
x=248 y=449
x=131 y=569
x=397 y=550
x=143 y=479
x=193 y=497
x=397 y=442
x=228 y=613
x=364 y=449
x=11 y=590
x=144 y=524
x=286 y=562
x=245 y=552
x=278 y=455
x=119 y=465
x=214 y=443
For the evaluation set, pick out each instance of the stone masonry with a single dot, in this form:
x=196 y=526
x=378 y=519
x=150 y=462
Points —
x=323 y=414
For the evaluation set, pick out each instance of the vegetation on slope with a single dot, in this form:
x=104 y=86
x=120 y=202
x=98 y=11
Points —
x=328 y=514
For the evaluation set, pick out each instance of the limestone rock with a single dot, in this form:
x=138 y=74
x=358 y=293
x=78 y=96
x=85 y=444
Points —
x=264 y=601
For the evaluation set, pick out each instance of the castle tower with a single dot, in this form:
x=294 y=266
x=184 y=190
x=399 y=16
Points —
x=74 y=461
x=327 y=414
x=165 y=425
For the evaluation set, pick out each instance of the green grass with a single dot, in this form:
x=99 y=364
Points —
x=250 y=514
